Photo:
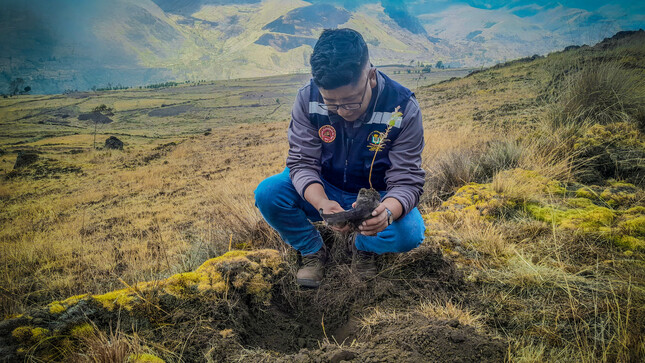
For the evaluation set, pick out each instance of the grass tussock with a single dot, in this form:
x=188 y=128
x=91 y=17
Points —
x=96 y=345
x=604 y=93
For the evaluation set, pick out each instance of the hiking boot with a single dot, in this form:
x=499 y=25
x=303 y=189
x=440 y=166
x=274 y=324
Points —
x=364 y=264
x=312 y=270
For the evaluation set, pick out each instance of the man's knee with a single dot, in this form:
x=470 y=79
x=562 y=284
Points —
x=411 y=241
x=414 y=233
x=262 y=193
x=271 y=190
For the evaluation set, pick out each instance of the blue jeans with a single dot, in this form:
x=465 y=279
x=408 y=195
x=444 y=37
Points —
x=289 y=214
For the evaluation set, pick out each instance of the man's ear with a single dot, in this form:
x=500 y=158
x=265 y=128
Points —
x=372 y=77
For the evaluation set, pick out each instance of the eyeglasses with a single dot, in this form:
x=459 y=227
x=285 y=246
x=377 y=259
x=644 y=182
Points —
x=347 y=106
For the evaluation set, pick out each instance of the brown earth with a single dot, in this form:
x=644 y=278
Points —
x=246 y=306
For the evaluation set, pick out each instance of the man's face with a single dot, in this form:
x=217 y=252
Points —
x=361 y=92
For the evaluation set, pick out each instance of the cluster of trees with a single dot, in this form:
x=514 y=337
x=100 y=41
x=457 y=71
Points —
x=17 y=87
x=425 y=67
x=109 y=87
x=162 y=85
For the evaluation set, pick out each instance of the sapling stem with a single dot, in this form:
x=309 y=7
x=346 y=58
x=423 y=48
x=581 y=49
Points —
x=383 y=138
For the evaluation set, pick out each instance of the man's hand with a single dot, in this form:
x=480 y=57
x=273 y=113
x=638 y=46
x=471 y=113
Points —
x=378 y=223
x=375 y=224
x=331 y=206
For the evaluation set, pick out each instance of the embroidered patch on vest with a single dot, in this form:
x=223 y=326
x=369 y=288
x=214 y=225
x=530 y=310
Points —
x=374 y=140
x=327 y=133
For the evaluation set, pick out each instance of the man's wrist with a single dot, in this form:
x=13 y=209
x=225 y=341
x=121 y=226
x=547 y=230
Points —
x=315 y=195
x=394 y=206
x=390 y=219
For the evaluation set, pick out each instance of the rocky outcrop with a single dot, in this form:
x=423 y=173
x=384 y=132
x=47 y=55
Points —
x=25 y=158
x=113 y=143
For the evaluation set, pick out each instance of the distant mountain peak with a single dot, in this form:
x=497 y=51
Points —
x=304 y=20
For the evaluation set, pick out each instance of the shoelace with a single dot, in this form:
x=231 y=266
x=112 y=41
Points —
x=310 y=261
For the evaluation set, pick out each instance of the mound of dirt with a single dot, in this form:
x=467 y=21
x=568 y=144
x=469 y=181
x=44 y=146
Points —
x=417 y=339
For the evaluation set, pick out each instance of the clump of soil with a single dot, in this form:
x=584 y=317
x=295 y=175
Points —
x=417 y=339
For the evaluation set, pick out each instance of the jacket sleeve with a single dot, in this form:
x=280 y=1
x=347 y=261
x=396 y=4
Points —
x=405 y=178
x=305 y=145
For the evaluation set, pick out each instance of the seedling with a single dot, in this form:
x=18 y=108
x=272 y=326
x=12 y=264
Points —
x=383 y=139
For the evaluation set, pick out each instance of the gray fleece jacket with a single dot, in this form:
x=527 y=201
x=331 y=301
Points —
x=405 y=177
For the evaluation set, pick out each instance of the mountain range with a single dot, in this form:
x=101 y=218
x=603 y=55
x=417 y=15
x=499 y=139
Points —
x=57 y=45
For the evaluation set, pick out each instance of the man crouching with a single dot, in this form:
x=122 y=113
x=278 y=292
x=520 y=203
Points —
x=338 y=119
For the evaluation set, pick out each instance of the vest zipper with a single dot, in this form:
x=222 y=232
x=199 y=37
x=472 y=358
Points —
x=348 y=145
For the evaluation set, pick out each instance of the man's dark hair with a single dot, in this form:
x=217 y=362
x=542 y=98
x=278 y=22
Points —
x=338 y=59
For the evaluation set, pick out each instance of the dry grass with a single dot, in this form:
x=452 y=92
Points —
x=376 y=316
x=114 y=346
x=79 y=234
x=449 y=310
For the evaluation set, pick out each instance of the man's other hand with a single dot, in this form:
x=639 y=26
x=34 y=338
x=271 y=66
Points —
x=331 y=206
x=375 y=224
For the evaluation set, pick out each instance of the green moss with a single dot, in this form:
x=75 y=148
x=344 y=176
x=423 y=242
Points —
x=617 y=184
x=613 y=147
x=73 y=300
x=579 y=203
x=247 y=271
x=619 y=194
x=630 y=242
x=22 y=333
x=634 y=226
x=584 y=217
x=554 y=187
x=39 y=334
x=56 y=308
x=29 y=334
x=260 y=288
x=144 y=358
x=586 y=192
x=183 y=284
x=119 y=298
x=636 y=210
x=477 y=200
x=82 y=330
x=625 y=228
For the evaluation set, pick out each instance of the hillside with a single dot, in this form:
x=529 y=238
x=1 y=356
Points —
x=69 y=45
x=532 y=203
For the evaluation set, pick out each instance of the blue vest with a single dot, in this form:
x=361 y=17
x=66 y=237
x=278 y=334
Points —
x=346 y=155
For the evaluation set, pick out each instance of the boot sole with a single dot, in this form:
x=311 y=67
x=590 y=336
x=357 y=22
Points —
x=308 y=283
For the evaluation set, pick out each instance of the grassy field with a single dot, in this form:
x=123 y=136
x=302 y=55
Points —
x=533 y=202
x=200 y=148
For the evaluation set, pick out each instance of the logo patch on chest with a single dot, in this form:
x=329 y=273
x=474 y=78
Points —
x=327 y=133
x=374 y=141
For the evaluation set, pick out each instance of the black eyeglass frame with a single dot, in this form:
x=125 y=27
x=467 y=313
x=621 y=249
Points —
x=347 y=106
